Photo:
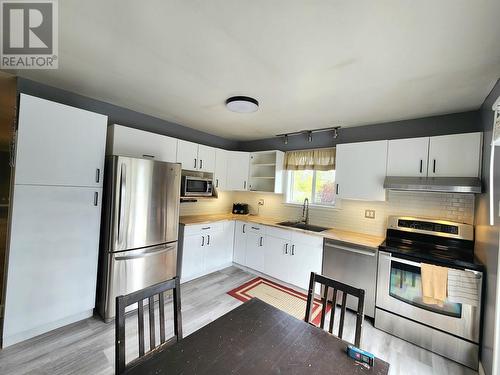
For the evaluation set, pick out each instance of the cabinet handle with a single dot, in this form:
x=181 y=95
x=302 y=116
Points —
x=337 y=189
x=244 y=185
x=194 y=163
x=97 y=175
x=201 y=163
x=244 y=225
x=202 y=240
x=148 y=156
x=205 y=228
x=286 y=248
x=421 y=165
x=260 y=241
x=216 y=182
x=208 y=239
x=255 y=228
x=293 y=249
x=96 y=198
x=434 y=166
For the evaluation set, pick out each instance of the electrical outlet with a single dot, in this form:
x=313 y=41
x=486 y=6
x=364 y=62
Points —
x=261 y=202
x=369 y=214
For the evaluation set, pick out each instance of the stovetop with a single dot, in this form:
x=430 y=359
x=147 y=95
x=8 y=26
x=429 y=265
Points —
x=448 y=252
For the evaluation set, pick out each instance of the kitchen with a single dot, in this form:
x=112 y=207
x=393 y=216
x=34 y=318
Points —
x=108 y=201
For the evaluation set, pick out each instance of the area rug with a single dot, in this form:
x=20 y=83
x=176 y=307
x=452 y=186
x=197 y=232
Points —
x=279 y=296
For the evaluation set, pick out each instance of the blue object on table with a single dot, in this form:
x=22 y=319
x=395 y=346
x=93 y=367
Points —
x=360 y=355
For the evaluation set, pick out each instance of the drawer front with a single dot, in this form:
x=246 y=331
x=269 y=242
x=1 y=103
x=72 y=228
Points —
x=279 y=233
x=256 y=228
x=311 y=240
x=215 y=227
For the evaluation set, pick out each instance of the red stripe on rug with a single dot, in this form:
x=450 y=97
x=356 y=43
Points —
x=240 y=294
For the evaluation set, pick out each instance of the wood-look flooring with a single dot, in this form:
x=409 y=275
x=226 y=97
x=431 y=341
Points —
x=87 y=347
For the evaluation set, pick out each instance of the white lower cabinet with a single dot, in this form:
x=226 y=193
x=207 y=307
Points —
x=206 y=248
x=240 y=242
x=293 y=259
x=255 y=251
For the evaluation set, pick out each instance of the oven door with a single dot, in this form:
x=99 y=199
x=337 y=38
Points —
x=197 y=187
x=399 y=291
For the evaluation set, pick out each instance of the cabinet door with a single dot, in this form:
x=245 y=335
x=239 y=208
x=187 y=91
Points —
x=192 y=256
x=237 y=170
x=277 y=257
x=220 y=174
x=240 y=242
x=304 y=260
x=53 y=256
x=457 y=155
x=215 y=250
x=407 y=157
x=206 y=156
x=361 y=170
x=59 y=145
x=228 y=241
x=255 y=251
x=136 y=143
x=187 y=155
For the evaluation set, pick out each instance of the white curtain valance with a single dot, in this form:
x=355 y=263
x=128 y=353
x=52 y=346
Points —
x=322 y=159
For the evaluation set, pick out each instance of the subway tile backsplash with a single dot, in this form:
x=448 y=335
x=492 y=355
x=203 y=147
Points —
x=349 y=215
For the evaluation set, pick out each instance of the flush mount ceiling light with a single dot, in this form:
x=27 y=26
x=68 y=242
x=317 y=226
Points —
x=242 y=104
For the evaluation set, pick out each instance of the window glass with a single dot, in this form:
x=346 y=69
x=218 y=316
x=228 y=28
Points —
x=301 y=186
x=317 y=186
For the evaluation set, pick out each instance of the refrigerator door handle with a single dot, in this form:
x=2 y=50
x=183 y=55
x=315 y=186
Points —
x=121 y=208
x=147 y=253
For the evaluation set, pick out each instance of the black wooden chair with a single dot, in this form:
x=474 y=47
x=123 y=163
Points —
x=345 y=289
x=138 y=297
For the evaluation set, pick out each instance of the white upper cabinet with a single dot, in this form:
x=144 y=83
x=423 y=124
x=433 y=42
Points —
x=187 y=155
x=206 y=157
x=237 y=170
x=408 y=157
x=266 y=171
x=126 y=141
x=457 y=155
x=59 y=145
x=361 y=170
x=220 y=171
x=195 y=157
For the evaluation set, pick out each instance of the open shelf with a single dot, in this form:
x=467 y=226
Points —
x=266 y=171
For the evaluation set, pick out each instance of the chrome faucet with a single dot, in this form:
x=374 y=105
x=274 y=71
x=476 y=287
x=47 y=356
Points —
x=305 y=211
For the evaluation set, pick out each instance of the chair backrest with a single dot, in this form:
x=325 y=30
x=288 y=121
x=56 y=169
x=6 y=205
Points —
x=138 y=297
x=345 y=289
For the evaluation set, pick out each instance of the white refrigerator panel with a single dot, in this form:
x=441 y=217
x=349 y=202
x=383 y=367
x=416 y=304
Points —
x=53 y=257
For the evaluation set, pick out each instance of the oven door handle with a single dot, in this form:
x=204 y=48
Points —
x=400 y=260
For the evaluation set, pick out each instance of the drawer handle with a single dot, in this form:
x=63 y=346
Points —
x=255 y=228
x=148 y=156
x=205 y=228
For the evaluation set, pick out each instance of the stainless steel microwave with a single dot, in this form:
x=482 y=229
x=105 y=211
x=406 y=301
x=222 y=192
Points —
x=192 y=186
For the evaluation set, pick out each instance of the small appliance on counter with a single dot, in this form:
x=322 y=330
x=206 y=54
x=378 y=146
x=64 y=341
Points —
x=240 y=208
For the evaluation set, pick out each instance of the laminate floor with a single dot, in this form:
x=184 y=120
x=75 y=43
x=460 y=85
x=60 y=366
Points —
x=87 y=347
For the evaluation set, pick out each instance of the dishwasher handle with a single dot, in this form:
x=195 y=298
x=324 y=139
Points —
x=350 y=249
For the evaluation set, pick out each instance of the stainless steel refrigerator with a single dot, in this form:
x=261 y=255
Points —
x=140 y=227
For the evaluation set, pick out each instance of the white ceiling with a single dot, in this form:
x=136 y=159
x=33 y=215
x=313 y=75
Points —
x=311 y=64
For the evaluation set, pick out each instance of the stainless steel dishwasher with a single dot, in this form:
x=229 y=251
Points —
x=353 y=265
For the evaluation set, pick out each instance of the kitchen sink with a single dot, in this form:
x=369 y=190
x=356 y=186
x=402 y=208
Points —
x=301 y=225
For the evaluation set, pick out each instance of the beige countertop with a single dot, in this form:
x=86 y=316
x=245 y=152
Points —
x=334 y=234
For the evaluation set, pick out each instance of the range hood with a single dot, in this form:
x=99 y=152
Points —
x=436 y=184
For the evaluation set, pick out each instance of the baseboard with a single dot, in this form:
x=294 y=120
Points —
x=25 y=335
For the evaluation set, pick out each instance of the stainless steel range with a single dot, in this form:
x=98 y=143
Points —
x=450 y=329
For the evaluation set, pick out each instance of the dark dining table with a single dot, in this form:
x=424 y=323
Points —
x=257 y=338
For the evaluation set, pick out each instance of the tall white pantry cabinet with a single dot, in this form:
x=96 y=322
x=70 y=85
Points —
x=55 y=218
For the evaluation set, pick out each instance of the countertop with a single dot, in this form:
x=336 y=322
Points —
x=356 y=238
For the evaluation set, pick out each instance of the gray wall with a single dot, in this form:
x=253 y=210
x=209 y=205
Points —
x=122 y=116
x=488 y=237
x=463 y=122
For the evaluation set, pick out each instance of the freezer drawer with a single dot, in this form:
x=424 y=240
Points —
x=355 y=266
x=128 y=271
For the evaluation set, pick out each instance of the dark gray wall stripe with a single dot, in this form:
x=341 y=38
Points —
x=123 y=116
x=428 y=126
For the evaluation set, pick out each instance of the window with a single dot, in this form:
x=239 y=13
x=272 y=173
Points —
x=317 y=186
